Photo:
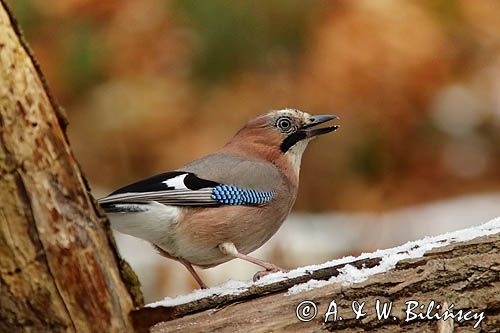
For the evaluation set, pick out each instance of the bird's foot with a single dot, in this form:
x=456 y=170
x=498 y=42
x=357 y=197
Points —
x=260 y=274
x=228 y=248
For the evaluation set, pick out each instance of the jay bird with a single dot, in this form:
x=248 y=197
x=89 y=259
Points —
x=224 y=205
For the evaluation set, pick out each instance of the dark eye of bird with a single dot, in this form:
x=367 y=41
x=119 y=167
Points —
x=284 y=124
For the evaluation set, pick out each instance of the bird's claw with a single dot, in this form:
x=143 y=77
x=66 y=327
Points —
x=260 y=274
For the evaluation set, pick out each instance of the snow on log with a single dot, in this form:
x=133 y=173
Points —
x=454 y=276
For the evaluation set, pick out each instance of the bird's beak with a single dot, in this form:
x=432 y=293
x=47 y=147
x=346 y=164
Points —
x=316 y=120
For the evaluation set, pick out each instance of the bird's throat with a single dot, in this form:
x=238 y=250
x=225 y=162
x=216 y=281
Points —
x=294 y=155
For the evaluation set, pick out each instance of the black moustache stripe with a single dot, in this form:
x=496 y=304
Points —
x=291 y=140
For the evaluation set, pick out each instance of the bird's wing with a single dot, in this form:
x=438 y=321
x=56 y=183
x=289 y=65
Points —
x=237 y=171
x=182 y=188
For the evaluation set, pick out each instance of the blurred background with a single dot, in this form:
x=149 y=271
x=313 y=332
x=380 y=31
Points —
x=150 y=85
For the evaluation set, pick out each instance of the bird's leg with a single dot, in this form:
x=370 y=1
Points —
x=193 y=273
x=186 y=264
x=229 y=249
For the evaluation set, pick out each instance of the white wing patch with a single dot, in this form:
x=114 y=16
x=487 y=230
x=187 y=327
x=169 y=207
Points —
x=177 y=182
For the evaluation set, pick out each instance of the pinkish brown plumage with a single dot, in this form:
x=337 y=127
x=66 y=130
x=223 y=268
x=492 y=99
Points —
x=224 y=205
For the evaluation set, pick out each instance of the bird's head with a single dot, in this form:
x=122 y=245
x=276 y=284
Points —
x=283 y=133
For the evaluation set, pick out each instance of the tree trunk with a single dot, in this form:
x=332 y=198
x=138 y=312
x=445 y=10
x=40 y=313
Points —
x=59 y=269
x=464 y=275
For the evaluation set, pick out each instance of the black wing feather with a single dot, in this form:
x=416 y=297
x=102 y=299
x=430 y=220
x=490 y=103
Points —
x=194 y=192
x=155 y=183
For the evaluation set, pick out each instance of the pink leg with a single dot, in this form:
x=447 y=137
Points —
x=228 y=248
x=185 y=263
x=269 y=268
x=193 y=273
x=264 y=264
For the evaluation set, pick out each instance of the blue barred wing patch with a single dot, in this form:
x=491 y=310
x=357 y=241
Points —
x=180 y=188
x=232 y=195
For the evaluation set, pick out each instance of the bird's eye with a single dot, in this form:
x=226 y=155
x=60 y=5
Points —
x=284 y=124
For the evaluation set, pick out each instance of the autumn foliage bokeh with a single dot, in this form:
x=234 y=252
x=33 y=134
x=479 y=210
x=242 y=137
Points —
x=150 y=85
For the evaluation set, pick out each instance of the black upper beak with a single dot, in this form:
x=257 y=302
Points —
x=316 y=120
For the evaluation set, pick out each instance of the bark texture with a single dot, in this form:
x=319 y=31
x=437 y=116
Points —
x=59 y=270
x=465 y=274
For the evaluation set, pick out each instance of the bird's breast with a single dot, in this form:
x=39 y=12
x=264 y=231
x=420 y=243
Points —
x=201 y=230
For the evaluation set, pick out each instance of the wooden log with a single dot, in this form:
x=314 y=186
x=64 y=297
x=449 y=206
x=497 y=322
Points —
x=59 y=269
x=464 y=275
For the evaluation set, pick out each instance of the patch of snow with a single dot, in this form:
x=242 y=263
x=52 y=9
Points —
x=340 y=233
x=390 y=257
x=230 y=287
x=348 y=274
